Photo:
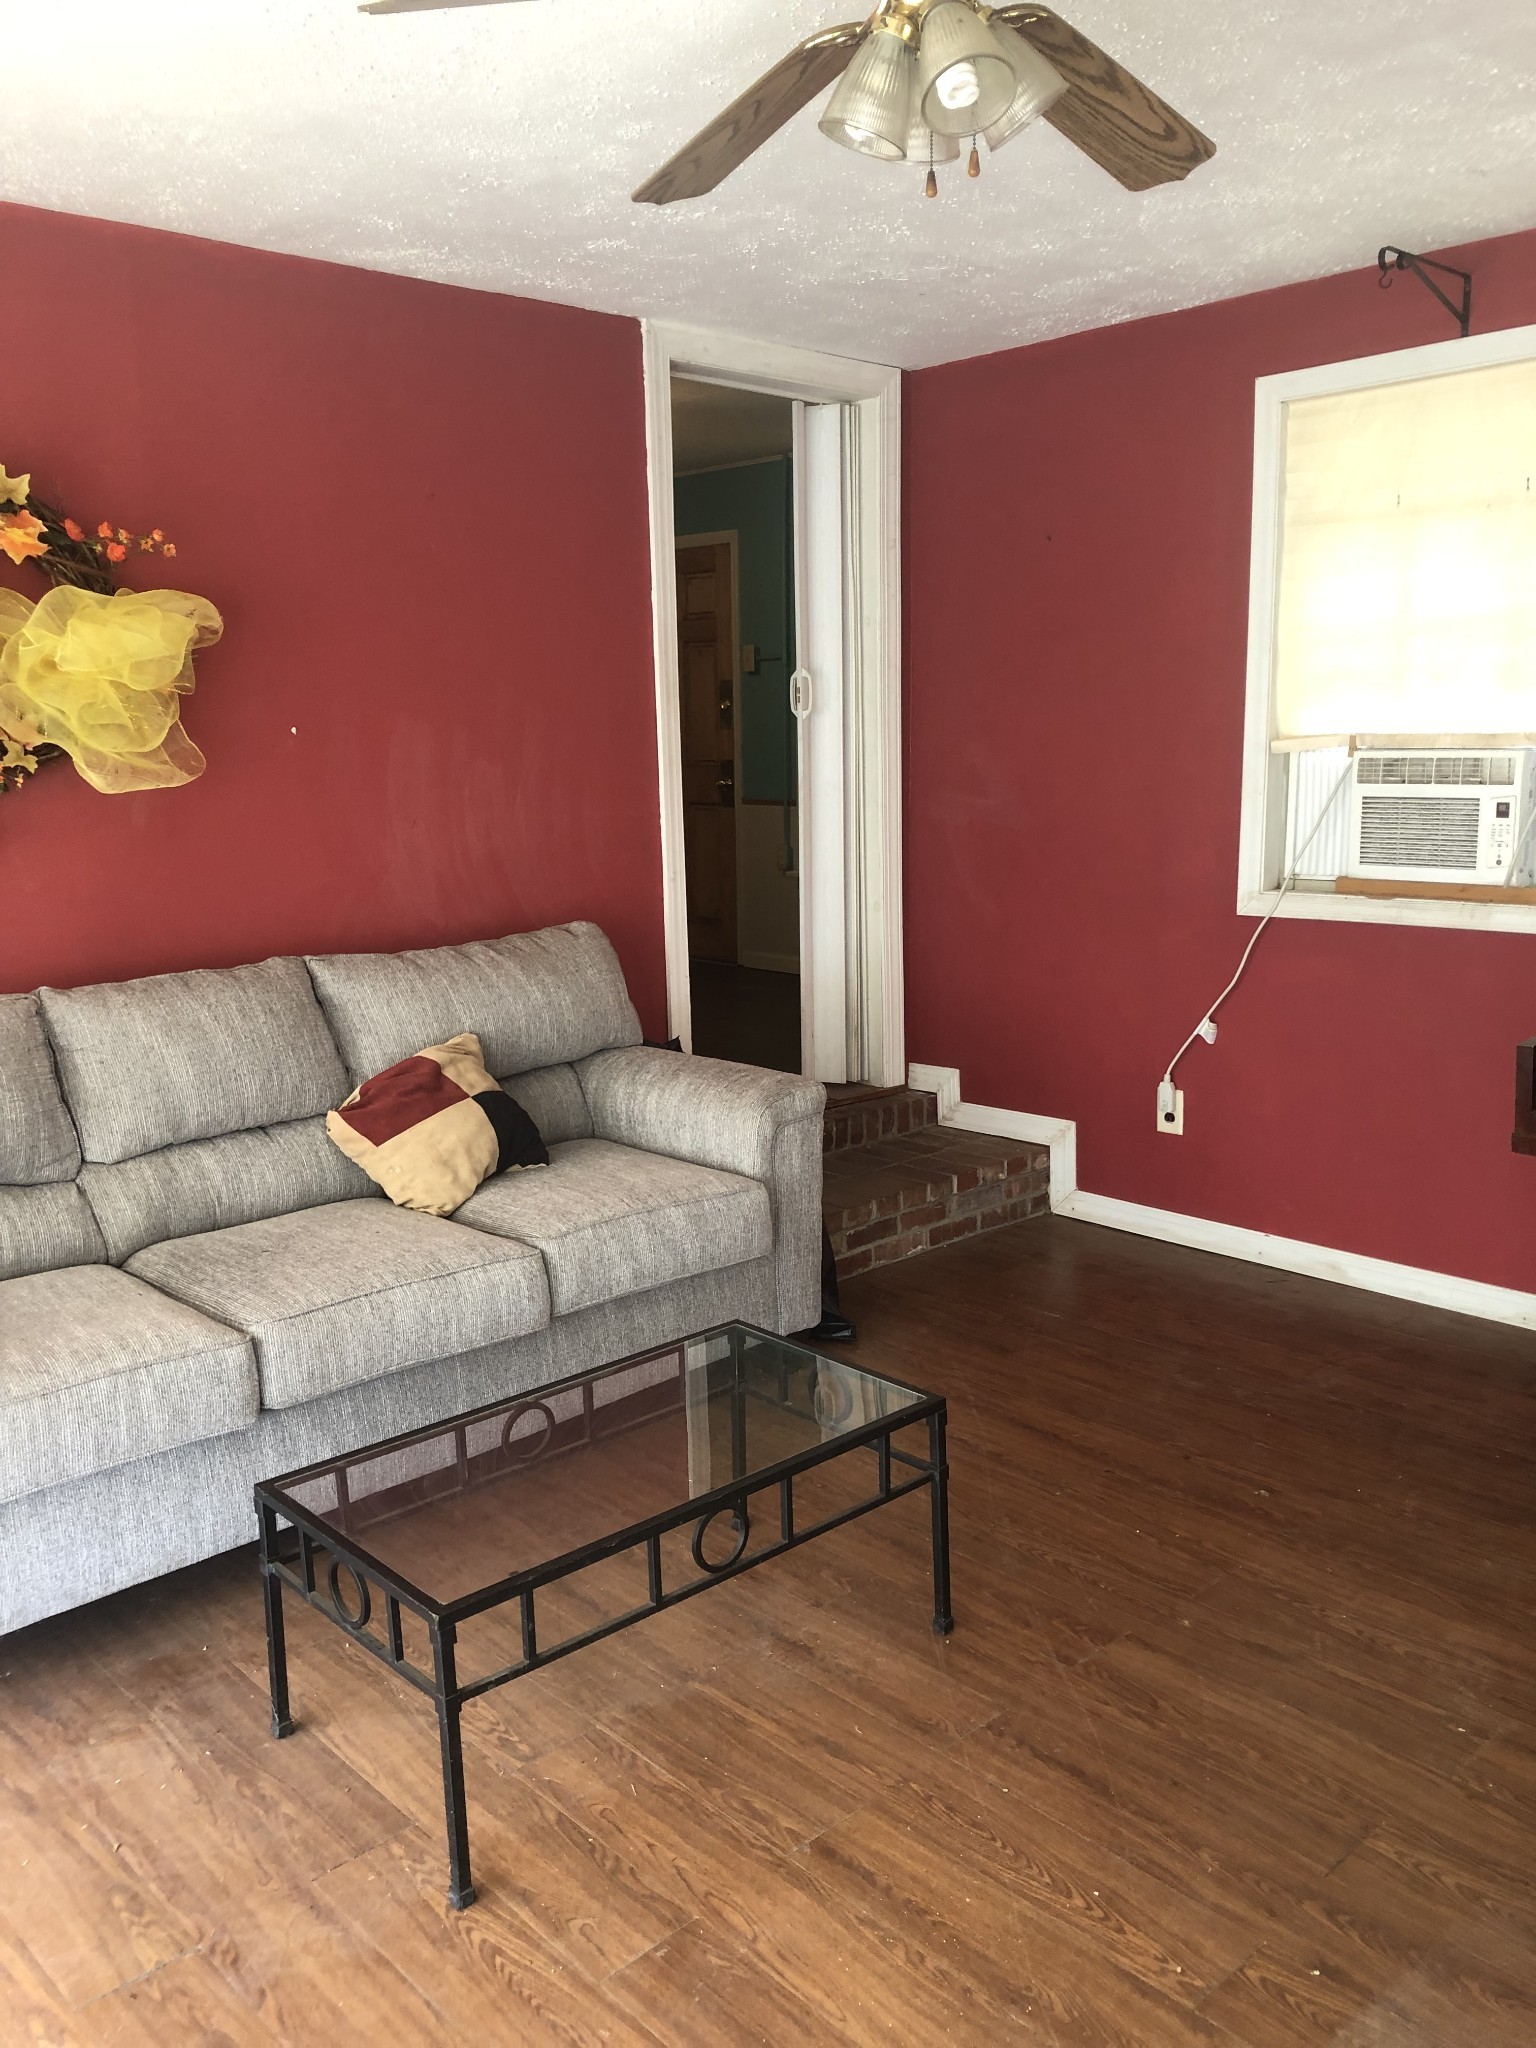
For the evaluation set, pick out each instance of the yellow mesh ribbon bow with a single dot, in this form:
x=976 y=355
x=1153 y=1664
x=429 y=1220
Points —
x=103 y=678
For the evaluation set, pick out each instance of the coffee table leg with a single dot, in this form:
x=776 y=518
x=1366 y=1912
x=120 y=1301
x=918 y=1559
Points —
x=461 y=1892
x=277 y=1645
x=943 y=1618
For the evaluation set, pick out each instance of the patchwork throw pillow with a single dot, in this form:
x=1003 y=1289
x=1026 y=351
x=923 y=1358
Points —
x=430 y=1129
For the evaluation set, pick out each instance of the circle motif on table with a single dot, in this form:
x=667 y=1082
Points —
x=741 y=1524
x=831 y=1401
x=522 y=1450
x=344 y=1613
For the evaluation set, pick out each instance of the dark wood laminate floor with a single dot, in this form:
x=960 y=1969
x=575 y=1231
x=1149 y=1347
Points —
x=1235 y=1743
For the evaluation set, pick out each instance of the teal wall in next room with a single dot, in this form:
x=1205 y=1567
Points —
x=753 y=501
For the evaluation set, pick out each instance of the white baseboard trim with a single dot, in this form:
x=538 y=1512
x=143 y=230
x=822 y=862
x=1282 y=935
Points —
x=775 y=963
x=1059 y=1133
x=1229 y=1240
x=1316 y=1261
x=941 y=1081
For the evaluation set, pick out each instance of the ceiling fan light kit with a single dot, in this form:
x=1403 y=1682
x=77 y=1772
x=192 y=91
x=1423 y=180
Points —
x=871 y=109
x=964 y=79
x=1040 y=86
x=919 y=75
x=924 y=147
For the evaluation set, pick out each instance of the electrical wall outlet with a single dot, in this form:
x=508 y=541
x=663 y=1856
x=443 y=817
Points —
x=1170 y=1110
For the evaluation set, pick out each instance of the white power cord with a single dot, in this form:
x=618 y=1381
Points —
x=1206 y=1028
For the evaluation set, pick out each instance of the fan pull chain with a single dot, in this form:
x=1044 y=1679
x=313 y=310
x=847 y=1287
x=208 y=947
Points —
x=931 y=185
x=973 y=168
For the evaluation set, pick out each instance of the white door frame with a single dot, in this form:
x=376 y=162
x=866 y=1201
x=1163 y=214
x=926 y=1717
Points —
x=872 y=580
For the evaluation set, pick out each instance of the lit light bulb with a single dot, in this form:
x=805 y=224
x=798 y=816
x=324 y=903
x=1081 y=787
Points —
x=958 y=86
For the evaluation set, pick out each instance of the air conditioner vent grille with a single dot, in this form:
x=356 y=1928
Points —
x=1418 y=832
x=1435 y=769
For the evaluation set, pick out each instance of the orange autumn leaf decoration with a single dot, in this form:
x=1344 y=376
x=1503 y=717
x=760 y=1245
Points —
x=93 y=673
x=21 y=536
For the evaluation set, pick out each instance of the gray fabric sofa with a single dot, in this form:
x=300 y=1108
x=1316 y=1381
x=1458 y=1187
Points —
x=198 y=1290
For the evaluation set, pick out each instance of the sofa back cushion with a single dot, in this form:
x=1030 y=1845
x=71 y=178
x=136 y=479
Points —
x=177 y=1057
x=46 y=1227
x=534 y=1000
x=243 y=1177
x=37 y=1138
x=552 y=1097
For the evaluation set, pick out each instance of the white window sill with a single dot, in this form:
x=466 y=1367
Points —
x=1420 y=910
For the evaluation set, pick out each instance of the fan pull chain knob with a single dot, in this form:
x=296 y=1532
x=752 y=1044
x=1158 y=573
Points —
x=931 y=185
x=973 y=168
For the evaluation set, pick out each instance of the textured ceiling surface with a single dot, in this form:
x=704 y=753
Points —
x=497 y=147
x=714 y=426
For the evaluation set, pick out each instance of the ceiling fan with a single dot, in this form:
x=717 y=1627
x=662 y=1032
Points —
x=918 y=77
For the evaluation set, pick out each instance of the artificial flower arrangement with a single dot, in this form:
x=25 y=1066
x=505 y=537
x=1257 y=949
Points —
x=91 y=671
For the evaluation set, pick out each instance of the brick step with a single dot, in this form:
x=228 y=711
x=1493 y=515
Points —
x=868 y=1116
x=900 y=1196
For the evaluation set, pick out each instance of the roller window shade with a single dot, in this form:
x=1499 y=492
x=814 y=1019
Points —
x=1407 y=594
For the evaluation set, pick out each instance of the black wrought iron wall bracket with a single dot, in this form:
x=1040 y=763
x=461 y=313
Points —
x=1390 y=260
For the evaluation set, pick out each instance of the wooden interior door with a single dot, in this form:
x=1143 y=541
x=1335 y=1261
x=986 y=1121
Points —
x=706 y=666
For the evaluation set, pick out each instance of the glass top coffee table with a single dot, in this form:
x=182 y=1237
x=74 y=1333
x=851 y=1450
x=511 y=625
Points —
x=475 y=1552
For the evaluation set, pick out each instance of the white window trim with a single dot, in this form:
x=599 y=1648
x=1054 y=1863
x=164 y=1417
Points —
x=1263 y=820
x=874 y=857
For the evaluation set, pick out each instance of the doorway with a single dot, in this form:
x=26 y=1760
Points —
x=732 y=495
x=791 y=725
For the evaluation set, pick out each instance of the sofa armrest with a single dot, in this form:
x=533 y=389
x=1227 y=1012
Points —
x=743 y=1120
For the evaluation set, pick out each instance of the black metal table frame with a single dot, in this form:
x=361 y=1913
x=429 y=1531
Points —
x=288 y=1559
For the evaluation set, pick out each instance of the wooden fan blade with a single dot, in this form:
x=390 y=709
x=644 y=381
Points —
x=748 y=122
x=419 y=6
x=1111 y=116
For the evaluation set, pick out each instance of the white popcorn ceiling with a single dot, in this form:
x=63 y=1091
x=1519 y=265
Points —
x=498 y=146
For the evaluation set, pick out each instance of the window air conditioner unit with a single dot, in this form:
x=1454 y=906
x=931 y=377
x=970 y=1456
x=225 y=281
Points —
x=1443 y=814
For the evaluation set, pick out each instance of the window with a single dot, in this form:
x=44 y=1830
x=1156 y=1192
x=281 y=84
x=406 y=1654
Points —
x=1390 y=760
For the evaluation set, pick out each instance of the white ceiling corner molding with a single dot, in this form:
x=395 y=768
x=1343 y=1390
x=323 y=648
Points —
x=812 y=375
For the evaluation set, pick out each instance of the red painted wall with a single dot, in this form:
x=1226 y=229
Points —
x=422 y=512
x=1077 y=590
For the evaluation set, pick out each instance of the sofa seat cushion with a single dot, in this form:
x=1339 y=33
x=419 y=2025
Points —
x=351 y=1291
x=611 y=1220
x=97 y=1369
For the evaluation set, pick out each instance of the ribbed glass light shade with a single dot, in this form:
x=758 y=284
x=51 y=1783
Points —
x=925 y=147
x=871 y=110
x=1040 y=86
x=965 y=79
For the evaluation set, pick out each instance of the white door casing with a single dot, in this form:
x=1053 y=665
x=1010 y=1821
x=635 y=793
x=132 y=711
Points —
x=827 y=1024
x=848 y=585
